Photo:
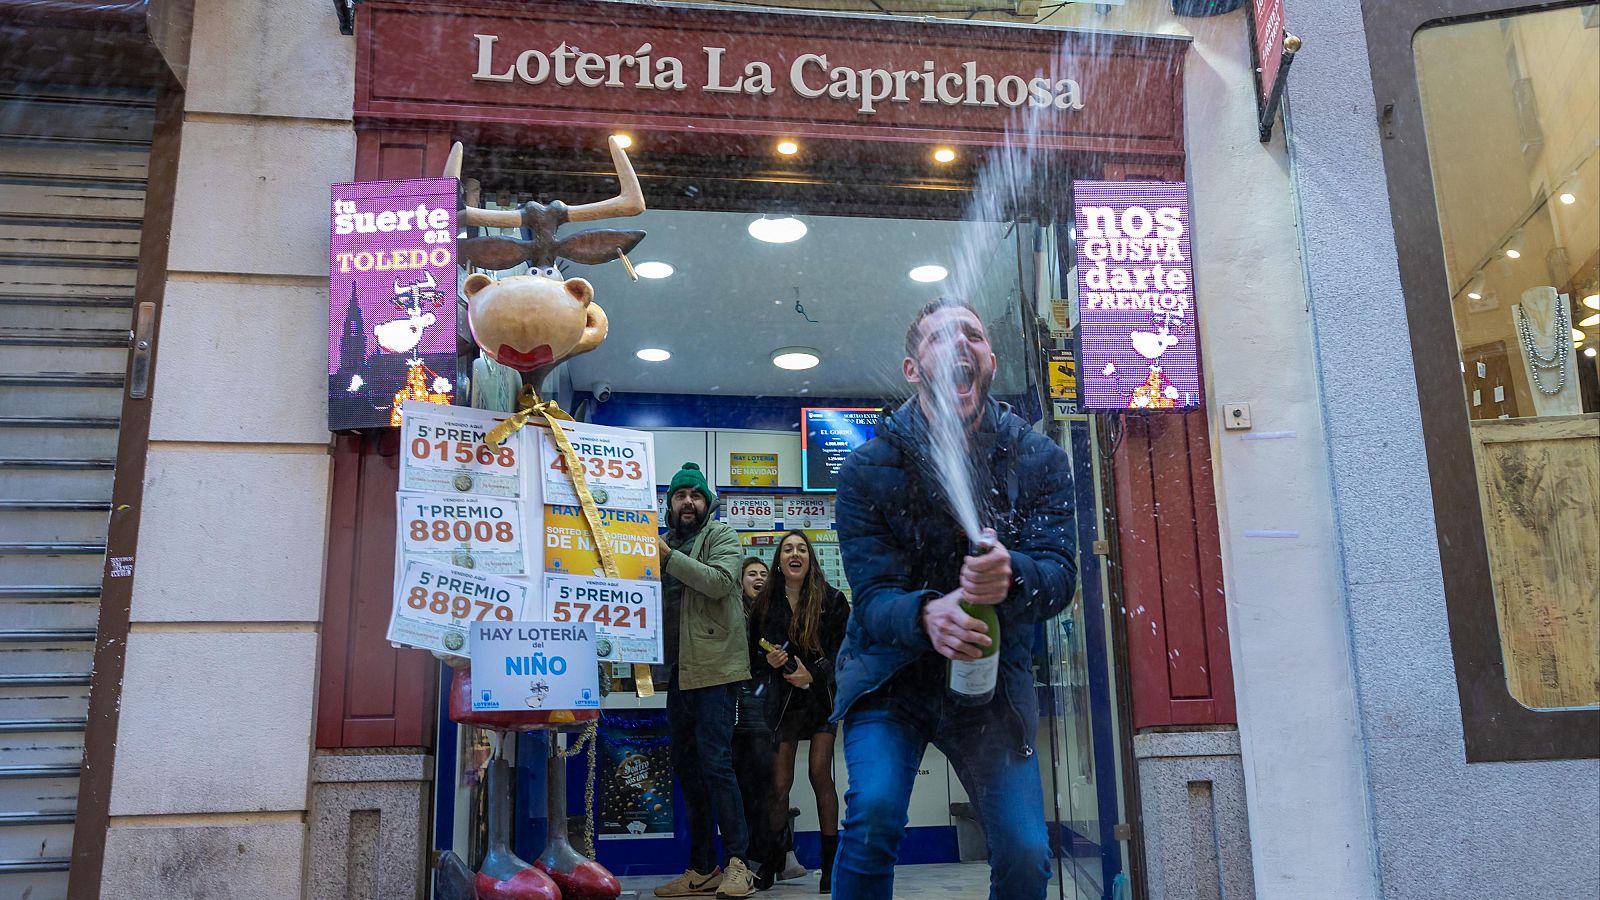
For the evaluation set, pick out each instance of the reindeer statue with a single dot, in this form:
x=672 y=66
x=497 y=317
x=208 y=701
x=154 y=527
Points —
x=532 y=323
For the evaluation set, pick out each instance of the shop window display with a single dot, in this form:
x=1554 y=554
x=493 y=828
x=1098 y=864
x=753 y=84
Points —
x=1511 y=111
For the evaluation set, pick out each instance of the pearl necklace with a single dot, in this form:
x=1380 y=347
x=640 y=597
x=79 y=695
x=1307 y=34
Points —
x=1559 y=348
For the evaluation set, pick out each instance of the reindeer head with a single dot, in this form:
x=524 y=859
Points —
x=532 y=322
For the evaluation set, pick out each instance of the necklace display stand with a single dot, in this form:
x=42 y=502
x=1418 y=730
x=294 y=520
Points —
x=1544 y=320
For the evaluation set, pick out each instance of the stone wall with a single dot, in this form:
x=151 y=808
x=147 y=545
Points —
x=214 y=749
x=1440 y=827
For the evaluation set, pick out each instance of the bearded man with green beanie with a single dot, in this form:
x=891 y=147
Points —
x=704 y=639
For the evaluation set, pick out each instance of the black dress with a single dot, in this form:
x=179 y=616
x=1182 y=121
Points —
x=802 y=712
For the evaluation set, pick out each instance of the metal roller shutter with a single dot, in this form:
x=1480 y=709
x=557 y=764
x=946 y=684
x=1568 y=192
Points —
x=72 y=182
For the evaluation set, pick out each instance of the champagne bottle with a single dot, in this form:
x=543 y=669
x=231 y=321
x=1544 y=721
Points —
x=972 y=681
x=789 y=665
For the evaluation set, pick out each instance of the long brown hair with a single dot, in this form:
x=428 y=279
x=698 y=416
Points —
x=806 y=625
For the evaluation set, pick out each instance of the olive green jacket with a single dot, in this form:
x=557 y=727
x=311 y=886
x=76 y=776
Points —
x=712 y=646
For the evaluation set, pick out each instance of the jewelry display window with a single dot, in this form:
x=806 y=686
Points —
x=1511 y=109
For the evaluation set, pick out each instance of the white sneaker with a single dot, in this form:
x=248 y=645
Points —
x=737 y=880
x=792 y=869
x=692 y=884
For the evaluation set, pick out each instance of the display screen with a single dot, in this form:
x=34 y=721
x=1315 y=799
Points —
x=826 y=437
x=1138 y=348
x=391 y=299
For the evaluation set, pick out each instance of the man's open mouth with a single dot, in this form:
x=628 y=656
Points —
x=964 y=375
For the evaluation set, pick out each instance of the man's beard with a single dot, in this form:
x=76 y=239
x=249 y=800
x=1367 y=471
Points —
x=678 y=524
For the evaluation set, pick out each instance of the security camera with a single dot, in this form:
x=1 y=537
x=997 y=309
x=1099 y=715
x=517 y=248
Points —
x=602 y=391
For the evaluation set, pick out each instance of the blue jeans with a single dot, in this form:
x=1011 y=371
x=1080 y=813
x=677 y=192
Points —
x=884 y=738
x=700 y=722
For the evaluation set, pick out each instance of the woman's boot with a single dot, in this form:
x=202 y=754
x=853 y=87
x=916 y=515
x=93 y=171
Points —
x=830 y=848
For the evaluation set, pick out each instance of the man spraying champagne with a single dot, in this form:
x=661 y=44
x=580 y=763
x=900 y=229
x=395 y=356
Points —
x=905 y=674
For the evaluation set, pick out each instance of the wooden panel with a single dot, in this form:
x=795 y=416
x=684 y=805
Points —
x=1539 y=481
x=1180 y=591
x=1208 y=553
x=1141 y=578
x=1171 y=566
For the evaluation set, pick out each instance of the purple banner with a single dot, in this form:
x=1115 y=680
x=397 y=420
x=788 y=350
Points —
x=391 y=299
x=1136 y=314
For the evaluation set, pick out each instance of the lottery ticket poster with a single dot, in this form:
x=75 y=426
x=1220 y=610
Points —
x=457 y=495
x=487 y=535
x=825 y=542
x=618 y=466
x=442 y=490
x=533 y=665
x=569 y=547
x=626 y=614
x=437 y=604
x=750 y=513
x=443 y=451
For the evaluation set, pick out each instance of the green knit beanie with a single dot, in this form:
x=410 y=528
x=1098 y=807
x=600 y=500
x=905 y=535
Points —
x=690 y=476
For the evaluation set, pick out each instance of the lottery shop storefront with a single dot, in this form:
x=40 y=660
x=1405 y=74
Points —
x=808 y=181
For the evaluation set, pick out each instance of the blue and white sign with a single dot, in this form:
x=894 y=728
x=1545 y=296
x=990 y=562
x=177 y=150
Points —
x=534 y=665
x=827 y=436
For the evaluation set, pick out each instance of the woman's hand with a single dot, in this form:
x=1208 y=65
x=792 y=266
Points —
x=800 y=677
x=777 y=658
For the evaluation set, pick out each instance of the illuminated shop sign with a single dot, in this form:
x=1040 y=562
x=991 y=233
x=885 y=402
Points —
x=809 y=75
x=827 y=436
x=549 y=71
x=391 y=299
x=1138 y=348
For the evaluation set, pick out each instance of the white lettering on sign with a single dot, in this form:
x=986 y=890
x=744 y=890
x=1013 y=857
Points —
x=1139 y=235
x=810 y=75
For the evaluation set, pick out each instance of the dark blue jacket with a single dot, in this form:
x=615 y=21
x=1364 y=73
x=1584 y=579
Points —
x=902 y=547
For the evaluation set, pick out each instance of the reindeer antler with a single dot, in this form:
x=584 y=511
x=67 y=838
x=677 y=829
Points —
x=628 y=203
x=471 y=215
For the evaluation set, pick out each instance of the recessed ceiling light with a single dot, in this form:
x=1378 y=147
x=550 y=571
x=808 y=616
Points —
x=928 y=274
x=788 y=148
x=795 y=358
x=1592 y=301
x=1471 y=295
x=944 y=155
x=1513 y=253
x=1592 y=320
x=623 y=140
x=1578 y=336
x=778 y=231
x=1567 y=197
x=653 y=354
x=653 y=269
x=1589 y=352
